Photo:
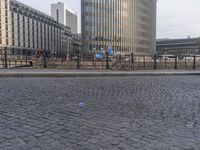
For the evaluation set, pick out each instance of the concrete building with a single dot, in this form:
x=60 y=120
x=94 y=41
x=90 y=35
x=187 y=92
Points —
x=178 y=46
x=76 y=43
x=64 y=15
x=26 y=31
x=129 y=26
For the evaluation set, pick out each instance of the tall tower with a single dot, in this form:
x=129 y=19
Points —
x=129 y=26
x=64 y=15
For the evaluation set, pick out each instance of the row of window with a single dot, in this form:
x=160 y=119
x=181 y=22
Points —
x=7 y=42
x=44 y=20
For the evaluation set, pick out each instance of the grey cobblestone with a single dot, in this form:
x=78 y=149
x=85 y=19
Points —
x=145 y=113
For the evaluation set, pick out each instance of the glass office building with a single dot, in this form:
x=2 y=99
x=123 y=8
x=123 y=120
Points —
x=129 y=26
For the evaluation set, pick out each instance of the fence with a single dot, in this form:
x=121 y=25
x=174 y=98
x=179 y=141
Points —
x=118 y=62
x=14 y=61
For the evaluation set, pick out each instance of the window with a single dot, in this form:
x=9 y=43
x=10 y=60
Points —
x=6 y=19
x=12 y=15
x=6 y=5
x=6 y=13
x=57 y=15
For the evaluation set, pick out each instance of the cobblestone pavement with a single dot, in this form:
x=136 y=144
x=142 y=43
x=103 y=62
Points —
x=130 y=113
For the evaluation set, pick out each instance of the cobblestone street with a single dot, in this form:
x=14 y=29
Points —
x=129 y=113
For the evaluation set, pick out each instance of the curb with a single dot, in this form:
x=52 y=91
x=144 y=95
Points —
x=64 y=75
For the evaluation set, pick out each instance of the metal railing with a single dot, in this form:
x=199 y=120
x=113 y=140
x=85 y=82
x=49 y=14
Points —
x=117 y=62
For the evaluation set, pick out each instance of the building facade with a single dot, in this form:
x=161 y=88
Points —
x=64 y=15
x=129 y=26
x=76 y=43
x=26 y=31
x=187 y=46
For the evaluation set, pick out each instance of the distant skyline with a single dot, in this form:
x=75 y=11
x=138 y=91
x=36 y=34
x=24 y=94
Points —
x=176 y=18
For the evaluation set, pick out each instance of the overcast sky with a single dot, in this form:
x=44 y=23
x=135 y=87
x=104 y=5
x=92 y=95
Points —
x=176 y=18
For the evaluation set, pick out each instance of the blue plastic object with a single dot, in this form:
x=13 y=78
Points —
x=82 y=104
x=110 y=51
x=99 y=56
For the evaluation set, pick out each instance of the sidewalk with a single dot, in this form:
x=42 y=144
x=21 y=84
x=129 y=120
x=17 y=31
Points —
x=91 y=73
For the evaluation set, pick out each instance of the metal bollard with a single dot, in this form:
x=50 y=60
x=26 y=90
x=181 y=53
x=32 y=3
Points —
x=93 y=59
x=144 y=61
x=194 y=62
x=185 y=62
x=155 y=61
x=165 y=62
x=78 y=61
x=176 y=60
x=6 y=59
x=107 y=61
x=62 y=61
x=26 y=58
x=132 y=61
x=45 y=61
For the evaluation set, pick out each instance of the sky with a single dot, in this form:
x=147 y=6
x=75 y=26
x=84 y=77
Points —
x=175 y=18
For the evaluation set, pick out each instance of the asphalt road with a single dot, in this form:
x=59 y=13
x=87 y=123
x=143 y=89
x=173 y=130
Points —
x=129 y=113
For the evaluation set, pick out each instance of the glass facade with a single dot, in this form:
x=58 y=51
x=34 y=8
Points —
x=129 y=26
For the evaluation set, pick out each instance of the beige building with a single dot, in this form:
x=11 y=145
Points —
x=129 y=26
x=26 y=31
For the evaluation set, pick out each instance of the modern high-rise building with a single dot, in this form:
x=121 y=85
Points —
x=129 y=26
x=64 y=15
x=26 y=31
